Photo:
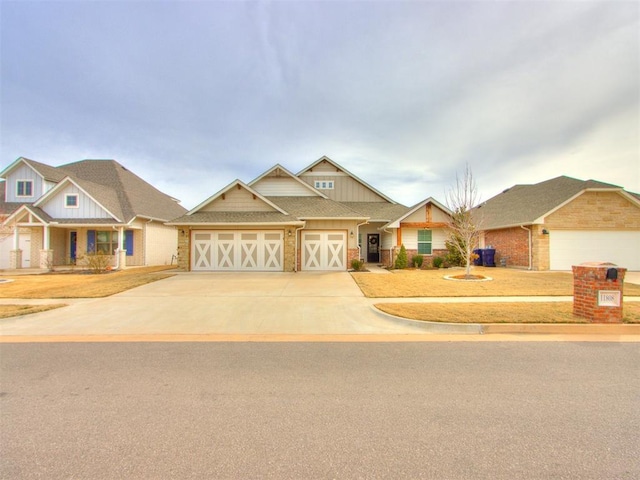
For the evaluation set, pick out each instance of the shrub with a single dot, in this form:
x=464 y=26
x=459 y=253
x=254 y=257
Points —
x=402 y=261
x=454 y=257
x=97 y=262
x=417 y=260
x=438 y=262
x=357 y=264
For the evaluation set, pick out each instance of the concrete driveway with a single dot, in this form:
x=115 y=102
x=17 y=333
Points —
x=219 y=303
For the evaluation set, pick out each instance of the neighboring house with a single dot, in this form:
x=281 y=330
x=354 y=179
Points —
x=562 y=222
x=53 y=216
x=319 y=219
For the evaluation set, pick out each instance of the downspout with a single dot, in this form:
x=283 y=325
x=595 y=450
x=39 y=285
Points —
x=295 y=252
x=357 y=234
x=530 y=247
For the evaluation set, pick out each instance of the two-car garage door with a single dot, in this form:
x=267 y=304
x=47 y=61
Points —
x=570 y=247
x=219 y=250
x=248 y=250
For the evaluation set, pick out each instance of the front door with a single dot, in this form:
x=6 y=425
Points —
x=73 y=242
x=373 y=248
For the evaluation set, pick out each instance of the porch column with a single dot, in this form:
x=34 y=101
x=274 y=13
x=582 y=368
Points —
x=121 y=252
x=15 y=260
x=46 y=254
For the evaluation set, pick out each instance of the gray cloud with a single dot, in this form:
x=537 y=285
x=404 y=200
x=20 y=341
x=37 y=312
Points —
x=191 y=95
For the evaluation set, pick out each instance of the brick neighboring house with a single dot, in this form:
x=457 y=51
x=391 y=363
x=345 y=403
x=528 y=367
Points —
x=562 y=222
x=319 y=219
x=51 y=216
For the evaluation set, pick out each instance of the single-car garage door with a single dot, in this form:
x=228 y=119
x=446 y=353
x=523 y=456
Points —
x=569 y=247
x=324 y=251
x=218 y=250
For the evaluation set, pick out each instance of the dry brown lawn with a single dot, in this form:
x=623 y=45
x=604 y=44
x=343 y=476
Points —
x=7 y=311
x=80 y=285
x=506 y=282
x=544 y=312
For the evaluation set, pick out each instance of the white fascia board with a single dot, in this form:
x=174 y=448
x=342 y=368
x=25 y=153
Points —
x=19 y=211
x=333 y=218
x=278 y=166
x=6 y=171
x=146 y=217
x=325 y=158
x=235 y=224
x=229 y=187
x=53 y=192
x=396 y=223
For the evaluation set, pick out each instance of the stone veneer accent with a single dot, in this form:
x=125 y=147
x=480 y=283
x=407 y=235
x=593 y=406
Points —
x=588 y=280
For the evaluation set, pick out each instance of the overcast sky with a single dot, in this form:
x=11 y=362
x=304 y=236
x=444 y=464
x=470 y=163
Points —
x=192 y=95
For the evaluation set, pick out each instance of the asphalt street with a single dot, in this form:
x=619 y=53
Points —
x=320 y=410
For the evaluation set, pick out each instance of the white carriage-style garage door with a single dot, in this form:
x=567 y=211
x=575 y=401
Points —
x=324 y=250
x=219 y=250
x=569 y=247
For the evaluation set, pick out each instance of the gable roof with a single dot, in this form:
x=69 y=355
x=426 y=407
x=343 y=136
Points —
x=527 y=204
x=239 y=184
x=324 y=158
x=279 y=169
x=395 y=223
x=6 y=208
x=49 y=173
x=122 y=191
x=109 y=201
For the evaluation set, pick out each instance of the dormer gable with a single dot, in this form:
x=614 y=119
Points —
x=237 y=197
x=338 y=184
x=428 y=213
x=27 y=180
x=280 y=182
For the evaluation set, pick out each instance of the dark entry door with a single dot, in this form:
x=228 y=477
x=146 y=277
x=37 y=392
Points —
x=73 y=241
x=373 y=248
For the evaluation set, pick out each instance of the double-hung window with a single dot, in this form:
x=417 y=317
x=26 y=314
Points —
x=24 y=188
x=425 y=242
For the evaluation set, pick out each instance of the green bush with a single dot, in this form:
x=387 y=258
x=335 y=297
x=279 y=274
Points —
x=402 y=261
x=417 y=260
x=357 y=264
x=453 y=255
x=438 y=262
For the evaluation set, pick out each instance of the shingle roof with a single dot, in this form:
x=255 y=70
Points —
x=48 y=172
x=314 y=207
x=233 y=217
x=523 y=204
x=7 y=208
x=378 y=211
x=121 y=191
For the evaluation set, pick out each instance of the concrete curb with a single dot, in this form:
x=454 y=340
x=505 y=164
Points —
x=514 y=328
x=432 y=327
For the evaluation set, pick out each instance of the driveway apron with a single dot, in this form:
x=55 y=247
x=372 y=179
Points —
x=219 y=303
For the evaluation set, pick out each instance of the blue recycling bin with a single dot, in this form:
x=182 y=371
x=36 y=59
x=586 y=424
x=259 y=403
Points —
x=488 y=257
x=478 y=261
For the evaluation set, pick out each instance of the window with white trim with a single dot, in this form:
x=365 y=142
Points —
x=425 y=242
x=324 y=184
x=71 y=200
x=24 y=188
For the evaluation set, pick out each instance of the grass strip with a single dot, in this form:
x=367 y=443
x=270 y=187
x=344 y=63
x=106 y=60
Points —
x=544 y=312
x=7 y=311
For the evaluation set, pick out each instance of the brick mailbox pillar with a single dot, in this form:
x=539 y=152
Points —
x=597 y=292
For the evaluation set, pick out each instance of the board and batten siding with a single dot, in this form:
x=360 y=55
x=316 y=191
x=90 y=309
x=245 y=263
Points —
x=87 y=208
x=237 y=200
x=23 y=172
x=345 y=188
x=281 y=187
x=344 y=225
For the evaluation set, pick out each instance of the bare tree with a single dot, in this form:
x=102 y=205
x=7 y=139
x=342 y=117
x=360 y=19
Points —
x=464 y=226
